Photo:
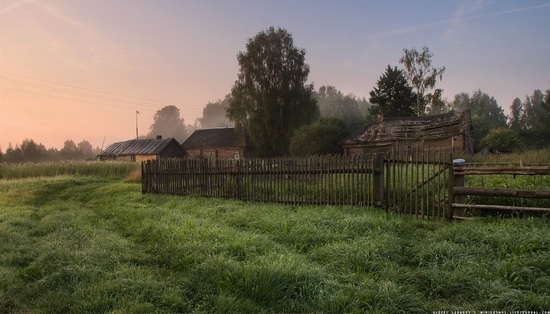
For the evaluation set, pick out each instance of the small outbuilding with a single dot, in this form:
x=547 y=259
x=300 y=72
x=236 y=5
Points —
x=449 y=133
x=143 y=149
x=219 y=143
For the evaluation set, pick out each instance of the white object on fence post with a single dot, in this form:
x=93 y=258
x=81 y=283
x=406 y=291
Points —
x=459 y=162
x=458 y=180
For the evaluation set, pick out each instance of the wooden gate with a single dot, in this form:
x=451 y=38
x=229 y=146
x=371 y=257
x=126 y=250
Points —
x=417 y=182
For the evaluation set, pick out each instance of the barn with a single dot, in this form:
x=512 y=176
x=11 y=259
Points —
x=449 y=132
x=219 y=143
x=143 y=149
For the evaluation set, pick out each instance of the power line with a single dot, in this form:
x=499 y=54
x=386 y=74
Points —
x=136 y=101
x=48 y=88
x=91 y=89
x=78 y=100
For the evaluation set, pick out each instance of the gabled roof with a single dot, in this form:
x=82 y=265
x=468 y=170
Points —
x=140 y=147
x=413 y=128
x=217 y=138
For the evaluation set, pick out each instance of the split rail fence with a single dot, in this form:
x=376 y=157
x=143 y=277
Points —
x=459 y=191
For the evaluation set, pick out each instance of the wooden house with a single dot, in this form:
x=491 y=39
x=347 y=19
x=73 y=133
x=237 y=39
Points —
x=449 y=133
x=219 y=143
x=144 y=149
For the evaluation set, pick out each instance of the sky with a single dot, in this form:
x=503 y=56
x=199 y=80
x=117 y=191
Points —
x=80 y=69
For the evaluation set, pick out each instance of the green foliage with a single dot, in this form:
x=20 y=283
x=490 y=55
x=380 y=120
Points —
x=30 y=151
x=534 y=121
x=167 y=123
x=79 y=168
x=333 y=103
x=213 y=114
x=392 y=96
x=515 y=118
x=485 y=111
x=95 y=245
x=508 y=182
x=541 y=156
x=270 y=98
x=421 y=76
x=502 y=138
x=319 y=138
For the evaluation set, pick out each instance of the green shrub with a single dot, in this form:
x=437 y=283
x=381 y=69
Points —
x=502 y=138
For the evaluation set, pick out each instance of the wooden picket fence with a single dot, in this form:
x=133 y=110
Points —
x=322 y=180
x=414 y=182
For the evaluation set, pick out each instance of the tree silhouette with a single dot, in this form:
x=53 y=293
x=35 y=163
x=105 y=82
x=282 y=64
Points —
x=270 y=98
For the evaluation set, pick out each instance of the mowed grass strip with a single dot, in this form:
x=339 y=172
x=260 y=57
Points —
x=89 y=244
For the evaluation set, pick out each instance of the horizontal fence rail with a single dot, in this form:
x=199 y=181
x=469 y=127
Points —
x=320 y=180
x=459 y=191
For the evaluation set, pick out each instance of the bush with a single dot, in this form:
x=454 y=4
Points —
x=320 y=138
x=502 y=138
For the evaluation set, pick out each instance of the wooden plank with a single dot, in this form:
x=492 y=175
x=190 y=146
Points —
x=502 y=207
x=458 y=190
x=502 y=170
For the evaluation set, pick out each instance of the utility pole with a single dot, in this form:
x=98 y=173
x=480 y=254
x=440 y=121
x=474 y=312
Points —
x=137 y=113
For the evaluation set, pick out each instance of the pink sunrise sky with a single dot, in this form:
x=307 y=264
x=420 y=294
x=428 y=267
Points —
x=81 y=69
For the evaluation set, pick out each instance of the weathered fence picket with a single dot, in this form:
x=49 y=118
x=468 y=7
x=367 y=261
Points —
x=334 y=180
x=415 y=185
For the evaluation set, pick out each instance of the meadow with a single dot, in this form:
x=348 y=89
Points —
x=79 y=168
x=94 y=243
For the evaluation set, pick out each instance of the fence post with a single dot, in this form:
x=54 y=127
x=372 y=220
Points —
x=143 y=178
x=456 y=180
x=237 y=192
x=378 y=179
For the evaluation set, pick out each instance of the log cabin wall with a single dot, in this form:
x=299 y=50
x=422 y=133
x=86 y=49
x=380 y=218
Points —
x=449 y=132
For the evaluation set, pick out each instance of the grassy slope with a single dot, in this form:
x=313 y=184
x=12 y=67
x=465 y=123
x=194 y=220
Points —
x=86 y=244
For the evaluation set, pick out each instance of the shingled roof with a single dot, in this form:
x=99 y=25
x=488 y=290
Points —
x=140 y=147
x=413 y=128
x=217 y=138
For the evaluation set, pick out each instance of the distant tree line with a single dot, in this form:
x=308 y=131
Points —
x=284 y=115
x=30 y=151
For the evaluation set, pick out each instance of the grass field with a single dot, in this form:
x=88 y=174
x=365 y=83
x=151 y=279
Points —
x=94 y=244
x=79 y=168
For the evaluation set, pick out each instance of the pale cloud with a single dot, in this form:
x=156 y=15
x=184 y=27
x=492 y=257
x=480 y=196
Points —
x=463 y=13
x=13 y=6
x=458 y=17
x=97 y=50
x=60 y=37
x=407 y=29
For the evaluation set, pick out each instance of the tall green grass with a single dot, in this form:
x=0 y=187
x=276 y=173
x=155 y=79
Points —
x=541 y=156
x=94 y=244
x=50 y=169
